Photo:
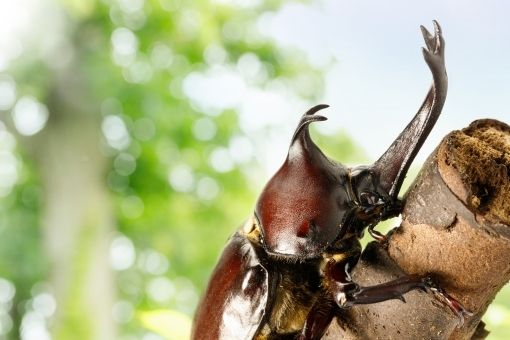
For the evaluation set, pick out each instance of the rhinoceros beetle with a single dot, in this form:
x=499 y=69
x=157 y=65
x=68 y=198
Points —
x=286 y=272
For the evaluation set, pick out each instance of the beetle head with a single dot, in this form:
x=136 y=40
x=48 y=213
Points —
x=372 y=200
x=311 y=201
x=303 y=205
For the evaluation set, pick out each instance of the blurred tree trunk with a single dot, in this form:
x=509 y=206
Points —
x=77 y=219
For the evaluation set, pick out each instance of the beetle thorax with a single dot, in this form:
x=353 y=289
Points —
x=302 y=207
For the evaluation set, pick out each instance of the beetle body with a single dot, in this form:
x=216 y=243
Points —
x=286 y=271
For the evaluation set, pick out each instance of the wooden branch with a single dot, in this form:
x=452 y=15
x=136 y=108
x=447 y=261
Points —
x=456 y=226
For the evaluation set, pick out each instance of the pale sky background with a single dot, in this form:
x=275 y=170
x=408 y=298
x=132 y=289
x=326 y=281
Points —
x=375 y=83
x=381 y=79
x=376 y=78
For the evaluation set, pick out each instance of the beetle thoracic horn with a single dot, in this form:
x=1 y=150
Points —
x=394 y=163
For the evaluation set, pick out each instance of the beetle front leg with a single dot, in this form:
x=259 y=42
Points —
x=347 y=293
x=379 y=237
x=319 y=318
x=382 y=239
x=390 y=209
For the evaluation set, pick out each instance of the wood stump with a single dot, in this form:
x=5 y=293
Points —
x=455 y=226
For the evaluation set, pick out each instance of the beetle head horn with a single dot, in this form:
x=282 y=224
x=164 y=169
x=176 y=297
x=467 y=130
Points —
x=394 y=163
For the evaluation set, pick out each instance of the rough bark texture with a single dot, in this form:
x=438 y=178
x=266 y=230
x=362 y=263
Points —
x=455 y=226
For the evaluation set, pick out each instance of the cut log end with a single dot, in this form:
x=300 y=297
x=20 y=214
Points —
x=475 y=162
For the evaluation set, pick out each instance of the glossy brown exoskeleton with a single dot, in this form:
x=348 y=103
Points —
x=285 y=273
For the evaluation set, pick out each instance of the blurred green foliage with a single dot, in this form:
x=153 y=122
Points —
x=172 y=204
x=177 y=188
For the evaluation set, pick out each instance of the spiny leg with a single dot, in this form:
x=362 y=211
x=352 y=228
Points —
x=324 y=309
x=347 y=293
x=319 y=318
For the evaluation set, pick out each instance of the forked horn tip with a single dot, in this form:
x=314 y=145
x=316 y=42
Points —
x=307 y=118
x=316 y=108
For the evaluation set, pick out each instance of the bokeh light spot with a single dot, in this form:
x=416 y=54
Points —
x=153 y=262
x=33 y=327
x=29 y=116
x=207 y=189
x=125 y=46
x=204 y=129
x=217 y=89
x=45 y=304
x=139 y=72
x=181 y=178
x=186 y=296
x=124 y=164
x=161 y=56
x=123 y=311
x=215 y=54
x=241 y=149
x=131 y=6
x=220 y=160
x=160 y=289
x=116 y=182
x=7 y=140
x=7 y=92
x=251 y=68
x=6 y=323
x=189 y=24
x=7 y=291
x=115 y=132
x=132 y=207
x=122 y=253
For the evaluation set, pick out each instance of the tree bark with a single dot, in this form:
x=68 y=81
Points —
x=456 y=227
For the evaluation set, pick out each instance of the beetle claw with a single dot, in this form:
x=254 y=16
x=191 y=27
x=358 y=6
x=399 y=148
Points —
x=380 y=238
x=429 y=39
x=455 y=306
x=434 y=52
x=446 y=299
x=437 y=28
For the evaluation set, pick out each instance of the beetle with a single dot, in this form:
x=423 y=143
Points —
x=286 y=272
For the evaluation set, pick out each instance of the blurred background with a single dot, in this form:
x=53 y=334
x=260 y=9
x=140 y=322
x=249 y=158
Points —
x=136 y=134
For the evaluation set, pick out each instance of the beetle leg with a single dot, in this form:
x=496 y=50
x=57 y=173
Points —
x=347 y=293
x=318 y=318
x=382 y=239
x=390 y=210
x=446 y=299
x=379 y=237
